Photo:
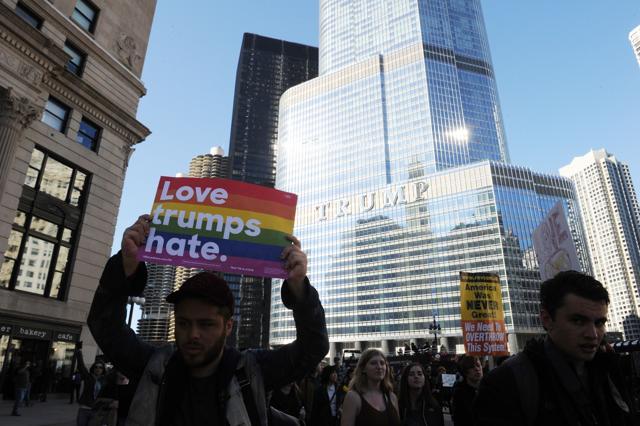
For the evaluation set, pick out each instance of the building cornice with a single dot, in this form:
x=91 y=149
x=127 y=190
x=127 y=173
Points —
x=86 y=42
x=31 y=42
x=41 y=50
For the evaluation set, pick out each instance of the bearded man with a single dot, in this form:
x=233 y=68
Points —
x=200 y=380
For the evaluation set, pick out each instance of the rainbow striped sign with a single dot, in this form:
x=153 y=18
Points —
x=221 y=225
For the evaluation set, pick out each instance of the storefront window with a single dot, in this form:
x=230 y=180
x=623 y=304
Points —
x=61 y=358
x=42 y=239
x=4 y=353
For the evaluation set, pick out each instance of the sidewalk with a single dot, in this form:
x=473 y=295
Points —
x=58 y=412
x=55 y=412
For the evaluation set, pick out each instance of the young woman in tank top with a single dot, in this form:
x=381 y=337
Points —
x=370 y=400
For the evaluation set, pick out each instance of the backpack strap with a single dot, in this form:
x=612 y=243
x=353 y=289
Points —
x=247 y=395
x=528 y=386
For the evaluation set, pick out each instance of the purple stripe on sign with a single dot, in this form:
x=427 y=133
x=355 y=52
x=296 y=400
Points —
x=233 y=265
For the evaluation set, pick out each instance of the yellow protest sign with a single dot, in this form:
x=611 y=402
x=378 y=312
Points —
x=483 y=326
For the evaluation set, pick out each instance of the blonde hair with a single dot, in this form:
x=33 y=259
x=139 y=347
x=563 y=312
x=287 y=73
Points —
x=359 y=381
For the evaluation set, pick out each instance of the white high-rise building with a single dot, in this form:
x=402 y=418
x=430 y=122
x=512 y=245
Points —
x=634 y=37
x=611 y=218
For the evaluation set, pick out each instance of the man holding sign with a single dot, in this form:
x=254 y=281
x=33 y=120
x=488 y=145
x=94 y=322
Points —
x=201 y=381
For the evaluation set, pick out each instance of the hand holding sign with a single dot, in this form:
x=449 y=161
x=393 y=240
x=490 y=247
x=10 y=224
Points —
x=295 y=263
x=133 y=238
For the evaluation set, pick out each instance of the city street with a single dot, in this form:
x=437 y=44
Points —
x=58 y=412
x=55 y=412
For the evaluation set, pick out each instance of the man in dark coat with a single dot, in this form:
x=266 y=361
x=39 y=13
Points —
x=200 y=380
x=465 y=391
x=567 y=378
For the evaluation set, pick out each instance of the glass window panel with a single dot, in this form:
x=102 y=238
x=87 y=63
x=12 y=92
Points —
x=67 y=234
x=80 y=180
x=44 y=227
x=61 y=358
x=75 y=197
x=33 y=279
x=56 y=108
x=77 y=59
x=85 y=15
x=56 y=179
x=88 y=129
x=86 y=9
x=32 y=177
x=63 y=257
x=55 y=115
x=5 y=272
x=20 y=218
x=52 y=121
x=88 y=134
x=55 y=285
x=81 y=20
x=15 y=238
x=28 y=16
x=36 y=159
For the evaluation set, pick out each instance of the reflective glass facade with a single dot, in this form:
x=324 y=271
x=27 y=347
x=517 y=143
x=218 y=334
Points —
x=386 y=260
x=398 y=156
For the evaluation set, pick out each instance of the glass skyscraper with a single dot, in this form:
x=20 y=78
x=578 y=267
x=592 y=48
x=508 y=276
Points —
x=397 y=152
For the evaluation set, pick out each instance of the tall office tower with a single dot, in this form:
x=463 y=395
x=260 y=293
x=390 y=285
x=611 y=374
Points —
x=70 y=83
x=612 y=225
x=153 y=325
x=634 y=38
x=266 y=68
x=398 y=155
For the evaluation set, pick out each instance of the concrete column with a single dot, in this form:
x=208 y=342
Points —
x=385 y=346
x=16 y=114
x=358 y=345
x=332 y=352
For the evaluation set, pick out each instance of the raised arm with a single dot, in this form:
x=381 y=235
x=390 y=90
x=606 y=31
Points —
x=292 y=361
x=82 y=368
x=123 y=276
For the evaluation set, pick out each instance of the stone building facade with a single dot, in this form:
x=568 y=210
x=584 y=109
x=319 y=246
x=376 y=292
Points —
x=69 y=92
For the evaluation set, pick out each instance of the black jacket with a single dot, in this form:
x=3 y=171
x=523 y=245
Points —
x=540 y=387
x=286 y=364
x=463 y=396
x=87 y=397
x=321 y=414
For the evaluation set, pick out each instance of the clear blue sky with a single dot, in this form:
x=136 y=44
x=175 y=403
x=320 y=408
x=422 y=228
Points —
x=567 y=78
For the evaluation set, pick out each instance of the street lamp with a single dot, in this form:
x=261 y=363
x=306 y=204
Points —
x=134 y=301
x=434 y=328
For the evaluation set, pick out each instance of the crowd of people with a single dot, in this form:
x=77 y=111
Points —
x=27 y=382
x=569 y=377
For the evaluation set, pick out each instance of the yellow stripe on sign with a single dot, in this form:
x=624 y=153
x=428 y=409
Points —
x=267 y=221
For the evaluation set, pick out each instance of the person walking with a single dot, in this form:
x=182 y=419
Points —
x=200 y=380
x=76 y=383
x=569 y=377
x=370 y=400
x=328 y=399
x=418 y=407
x=464 y=392
x=308 y=386
x=94 y=380
x=21 y=385
x=287 y=400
